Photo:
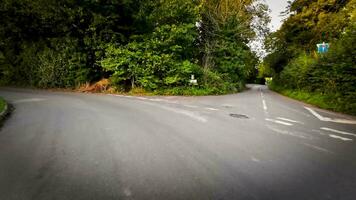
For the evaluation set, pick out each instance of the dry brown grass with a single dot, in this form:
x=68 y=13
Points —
x=102 y=86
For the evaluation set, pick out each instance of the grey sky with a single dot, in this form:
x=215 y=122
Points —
x=277 y=6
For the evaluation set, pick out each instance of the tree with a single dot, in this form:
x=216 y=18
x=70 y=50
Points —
x=296 y=64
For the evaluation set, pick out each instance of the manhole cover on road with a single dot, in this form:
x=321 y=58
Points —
x=239 y=116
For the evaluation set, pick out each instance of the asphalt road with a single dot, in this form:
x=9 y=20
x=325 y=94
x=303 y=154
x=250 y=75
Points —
x=252 y=145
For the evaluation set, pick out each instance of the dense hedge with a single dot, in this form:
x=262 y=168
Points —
x=330 y=76
x=324 y=79
x=153 y=45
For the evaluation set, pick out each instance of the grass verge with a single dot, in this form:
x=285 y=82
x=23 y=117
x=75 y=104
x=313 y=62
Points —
x=333 y=102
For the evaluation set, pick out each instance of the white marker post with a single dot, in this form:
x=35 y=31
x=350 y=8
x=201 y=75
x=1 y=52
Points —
x=193 y=81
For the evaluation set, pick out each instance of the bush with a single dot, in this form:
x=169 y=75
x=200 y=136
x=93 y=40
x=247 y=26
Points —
x=327 y=80
x=62 y=66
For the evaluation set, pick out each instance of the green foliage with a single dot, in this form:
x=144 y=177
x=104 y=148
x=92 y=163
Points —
x=34 y=34
x=61 y=66
x=331 y=101
x=225 y=28
x=152 y=45
x=327 y=80
x=164 y=58
x=298 y=71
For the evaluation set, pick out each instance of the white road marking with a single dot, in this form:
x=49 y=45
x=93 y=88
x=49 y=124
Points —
x=213 y=109
x=190 y=106
x=264 y=104
x=321 y=118
x=337 y=131
x=265 y=108
x=187 y=113
x=289 y=120
x=279 y=122
x=317 y=148
x=341 y=138
x=255 y=159
x=327 y=119
x=142 y=98
x=28 y=100
x=294 y=134
x=158 y=100
x=342 y=121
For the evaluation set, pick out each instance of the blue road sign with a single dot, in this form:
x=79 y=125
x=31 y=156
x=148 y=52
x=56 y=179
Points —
x=323 y=48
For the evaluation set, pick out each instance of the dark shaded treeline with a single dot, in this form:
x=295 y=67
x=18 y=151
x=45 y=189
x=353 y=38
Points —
x=153 y=45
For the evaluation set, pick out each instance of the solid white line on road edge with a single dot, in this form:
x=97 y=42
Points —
x=142 y=98
x=28 y=100
x=341 y=138
x=317 y=148
x=279 y=122
x=326 y=119
x=289 y=120
x=337 y=131
x=342 y=121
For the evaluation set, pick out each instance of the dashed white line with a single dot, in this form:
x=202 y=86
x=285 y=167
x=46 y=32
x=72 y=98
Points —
x=317 y=148
x=190 y=106
x=337 y=131
x=264 y=105
x=294 y=134
x=279 y=122
x=265 y=108
x=341 y=138
x=190 y=114
x=289 y=120
x=212 y=109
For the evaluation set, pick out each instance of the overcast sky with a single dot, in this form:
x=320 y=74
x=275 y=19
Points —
x=277 y=6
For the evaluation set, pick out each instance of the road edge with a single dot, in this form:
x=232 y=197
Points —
x=332 y=112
